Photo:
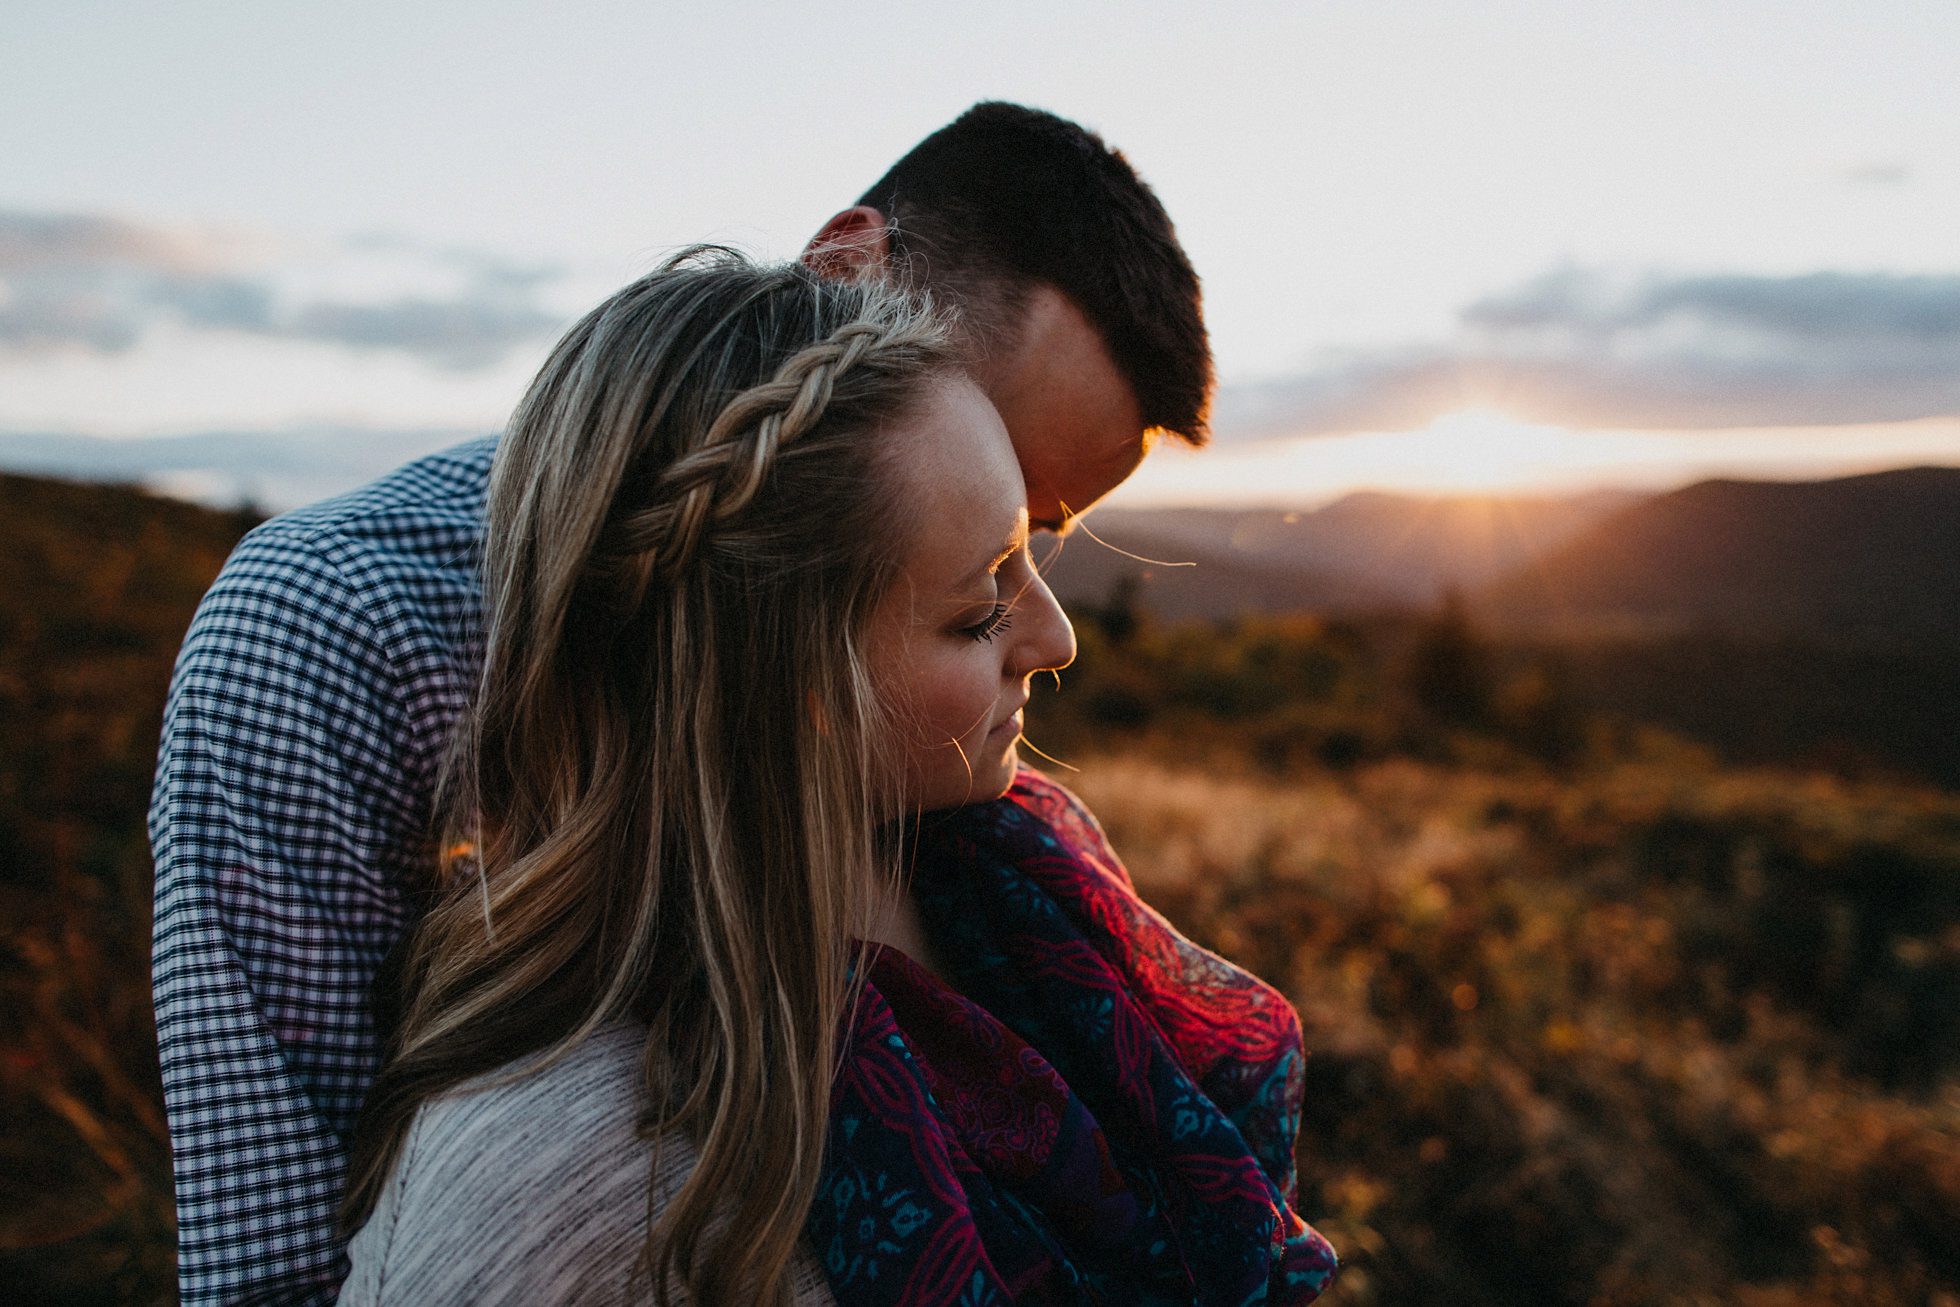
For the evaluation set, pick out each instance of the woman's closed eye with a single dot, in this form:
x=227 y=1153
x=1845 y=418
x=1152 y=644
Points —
x=992 y=625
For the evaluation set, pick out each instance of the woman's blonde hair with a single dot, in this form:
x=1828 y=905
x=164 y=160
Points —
x=664 y=794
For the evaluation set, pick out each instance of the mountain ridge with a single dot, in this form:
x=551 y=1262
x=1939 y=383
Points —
x=1365 y=551
x=1869 y=556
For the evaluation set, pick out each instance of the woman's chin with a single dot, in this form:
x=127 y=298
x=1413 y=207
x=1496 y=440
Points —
x=996 y=778
x=1000 y=779
x=989 y=778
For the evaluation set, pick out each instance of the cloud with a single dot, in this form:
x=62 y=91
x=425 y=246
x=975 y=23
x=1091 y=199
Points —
x=1878 y=172
x=1589 y=349
x=102 y=284
x=467 y=332
x=29 y=240
x=1870 y=307
x=274 y=470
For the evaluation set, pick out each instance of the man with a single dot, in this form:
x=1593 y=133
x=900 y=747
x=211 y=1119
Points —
x=319 y=680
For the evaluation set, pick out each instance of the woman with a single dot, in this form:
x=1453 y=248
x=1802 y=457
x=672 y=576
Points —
x=758 y=590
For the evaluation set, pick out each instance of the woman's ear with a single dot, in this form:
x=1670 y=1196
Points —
x=850 y=245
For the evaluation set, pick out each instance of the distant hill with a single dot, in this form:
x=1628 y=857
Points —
x=1865 y=558
x=1365 y=551
x=97 y=584
x=1182 y=576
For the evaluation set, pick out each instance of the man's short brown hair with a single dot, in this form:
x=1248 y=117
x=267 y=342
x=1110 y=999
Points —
x=1005 y=197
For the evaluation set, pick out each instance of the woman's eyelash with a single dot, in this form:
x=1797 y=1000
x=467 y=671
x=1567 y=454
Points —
x=997 y=621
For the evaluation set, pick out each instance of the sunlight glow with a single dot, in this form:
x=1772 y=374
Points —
x=1476 y=451
x=1483 y=449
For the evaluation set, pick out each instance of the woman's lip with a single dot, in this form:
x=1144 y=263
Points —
x=1012 y=726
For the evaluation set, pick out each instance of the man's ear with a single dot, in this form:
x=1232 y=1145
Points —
x=853 y=243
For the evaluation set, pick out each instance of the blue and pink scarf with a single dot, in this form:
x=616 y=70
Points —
x=1104 y=1112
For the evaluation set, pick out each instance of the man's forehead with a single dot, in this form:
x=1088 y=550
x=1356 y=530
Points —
x=1072 y=415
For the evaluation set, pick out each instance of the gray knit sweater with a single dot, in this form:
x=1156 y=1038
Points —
x=530 y=1192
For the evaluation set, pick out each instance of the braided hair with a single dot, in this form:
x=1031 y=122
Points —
x=664 y=782
x=714 y=482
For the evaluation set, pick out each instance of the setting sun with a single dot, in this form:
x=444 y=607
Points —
x=1473 y=450
x=1484 y=449
x=1487 y=451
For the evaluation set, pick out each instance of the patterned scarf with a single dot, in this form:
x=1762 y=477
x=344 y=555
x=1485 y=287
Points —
x=1104 y=1114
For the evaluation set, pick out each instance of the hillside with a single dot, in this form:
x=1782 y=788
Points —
x=97 y=584
x=1600 y=1029
x=1871 y=558
x=1193 y=576
x=1655 y=1033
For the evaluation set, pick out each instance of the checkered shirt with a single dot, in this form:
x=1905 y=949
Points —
x=307 y=718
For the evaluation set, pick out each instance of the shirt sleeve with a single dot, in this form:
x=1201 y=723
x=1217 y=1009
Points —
x=283 y=826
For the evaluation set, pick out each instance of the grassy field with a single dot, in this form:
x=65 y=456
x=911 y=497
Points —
x=1663 y=1033
x=1595 y=1018
x=96 y=587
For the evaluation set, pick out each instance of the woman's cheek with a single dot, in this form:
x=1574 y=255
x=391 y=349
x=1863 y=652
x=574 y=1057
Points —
x=951 y=709
x=959 y=695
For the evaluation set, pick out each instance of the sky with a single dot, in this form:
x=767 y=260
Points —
x=1500 y=246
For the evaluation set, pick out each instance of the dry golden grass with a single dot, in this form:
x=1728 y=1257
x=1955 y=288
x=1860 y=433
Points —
x=96 y=587
x=1552 y=1061
x=1646 y=1030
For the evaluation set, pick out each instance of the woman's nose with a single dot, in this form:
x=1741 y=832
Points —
x=1048 y=638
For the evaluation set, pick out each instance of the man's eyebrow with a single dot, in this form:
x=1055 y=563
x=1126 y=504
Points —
x=1060 y=524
